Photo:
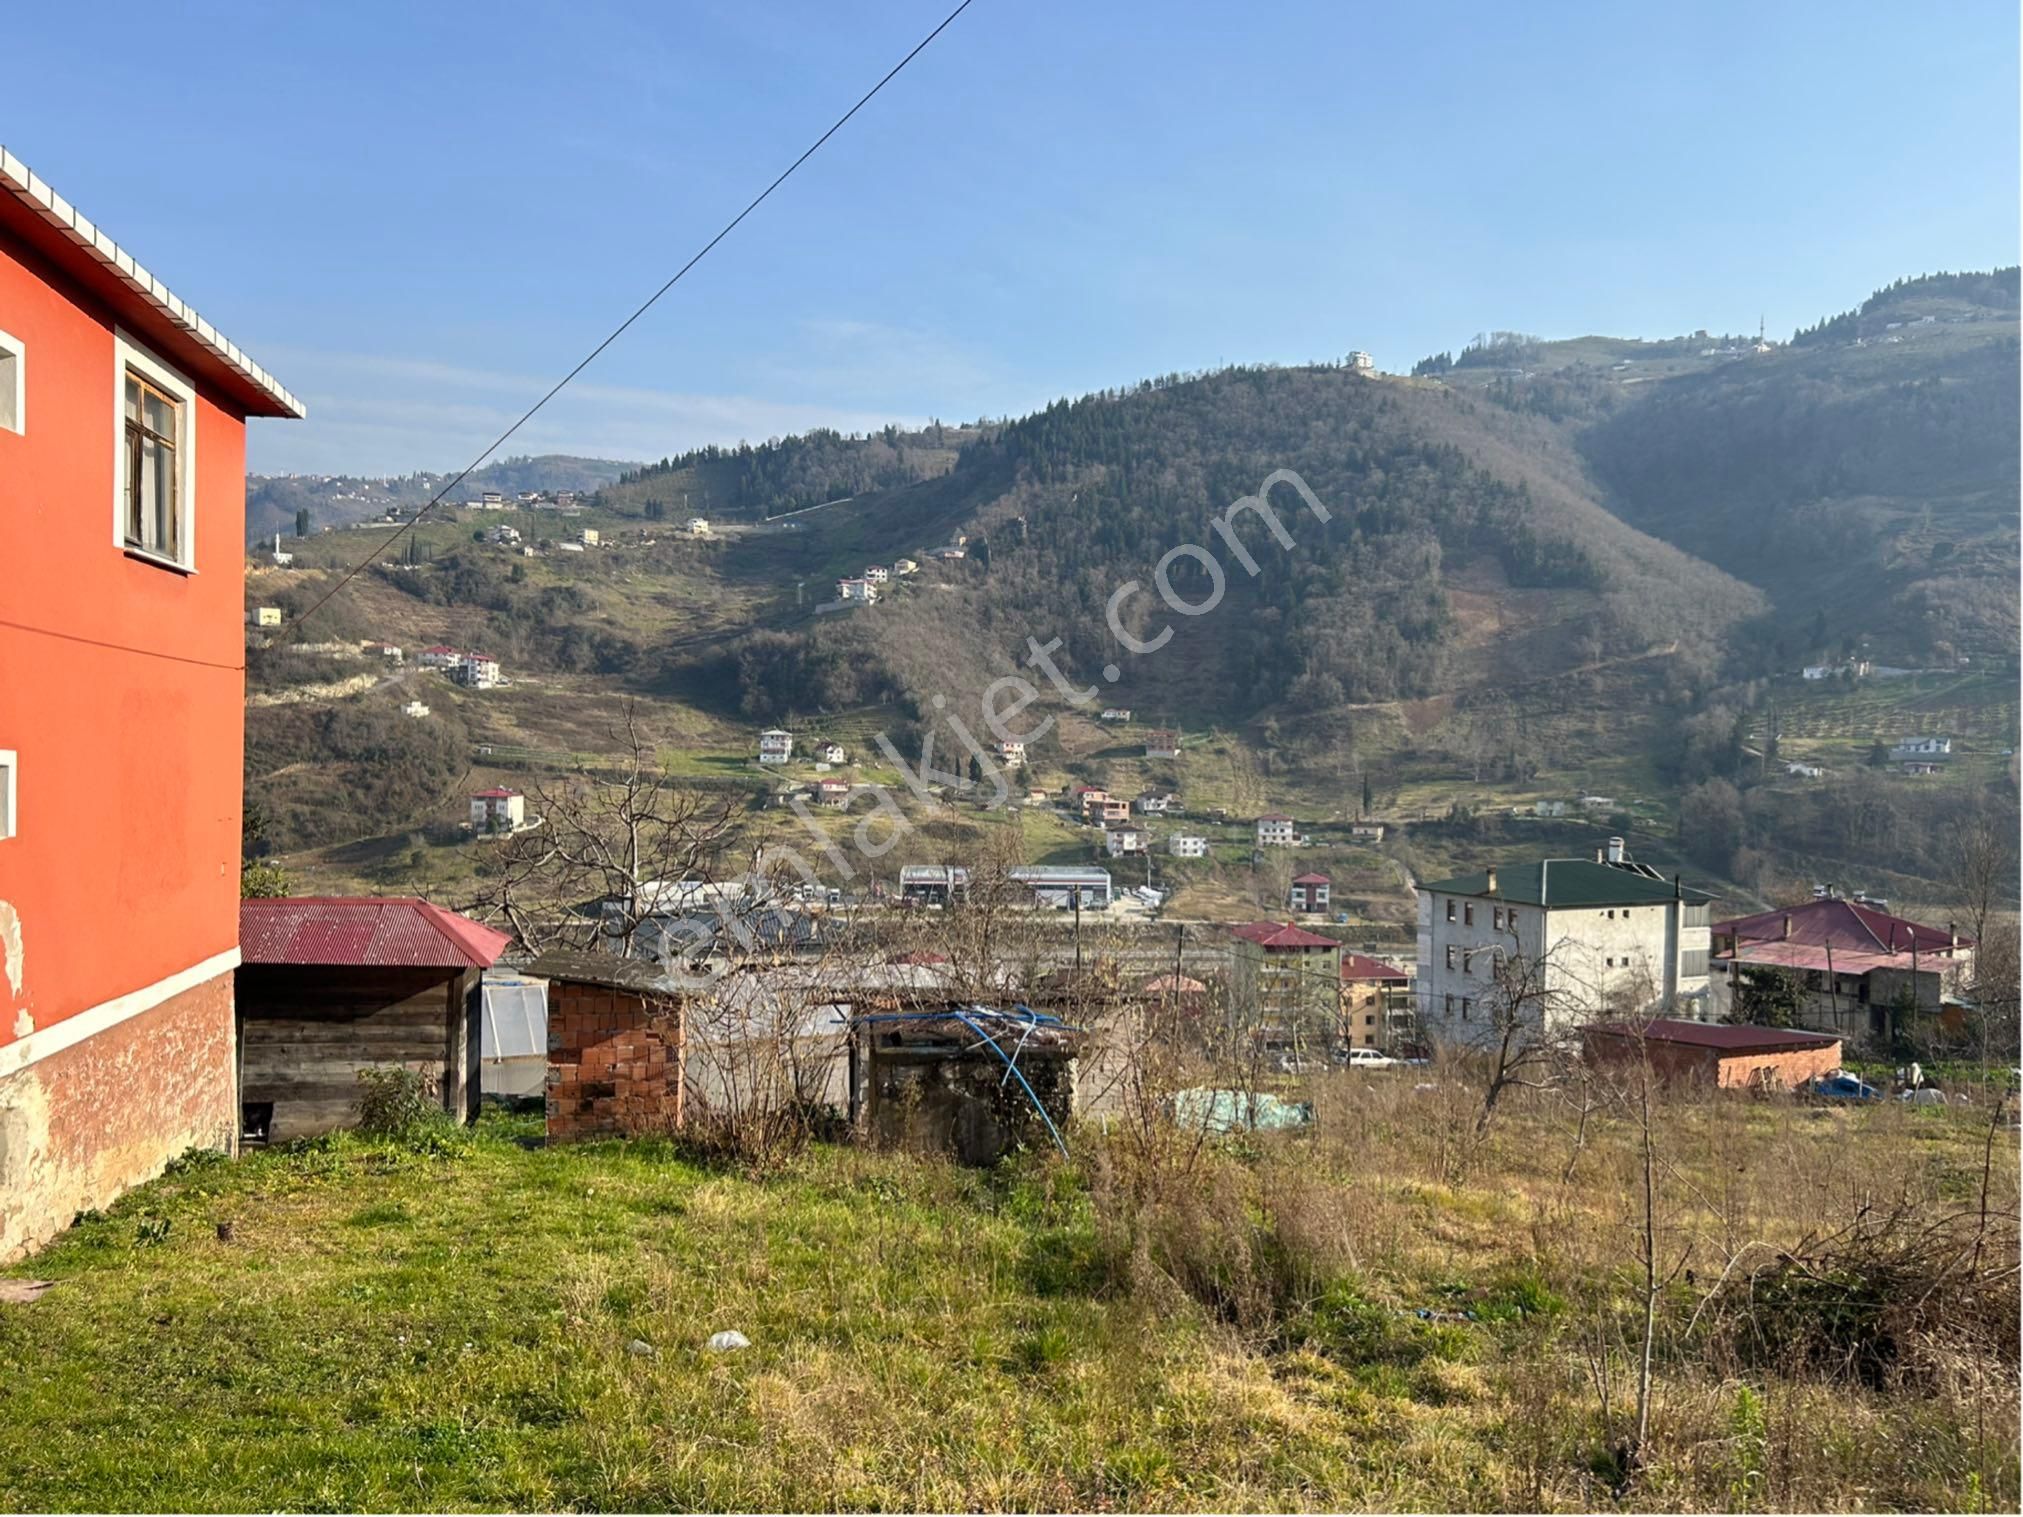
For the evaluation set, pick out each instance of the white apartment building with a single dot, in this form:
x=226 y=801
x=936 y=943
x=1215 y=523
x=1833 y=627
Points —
x=1275 y=831
x=1011 y=755
x=857 y=591
x=1187 y=845
x=775 y=746
x=1601 y=935
x=1119 y=841
x=476 y=671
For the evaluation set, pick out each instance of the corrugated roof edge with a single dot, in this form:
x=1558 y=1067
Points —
x=25 y=185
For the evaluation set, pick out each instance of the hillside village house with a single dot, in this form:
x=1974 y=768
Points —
x=859 y=592
x=1122 y=840
x=1309 y=893
x=414 y=709
x=439 y=657
x=266 y=616
x=122 y=535
x=698 y=527
x=1011 y=755
x=831 y=753
x=1275 y=831
x=589 y=537
x=1367 y=832
x=775 y=746
x=476 y=671
x=1601 y=935
x=1923 y=766
x=1376 y=1001
x=877 y=574
x=1921 y=748
x=1153 y=803
x=1187 y=845
x=1162 y=743
x=904 y=567
x=832 y=792
x=390 y=652
x=1115 y=714
x=498 y=811
x=1854 y=962
x=1286 y=982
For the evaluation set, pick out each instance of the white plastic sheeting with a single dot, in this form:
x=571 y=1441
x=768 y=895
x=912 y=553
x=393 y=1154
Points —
x=513 y=1035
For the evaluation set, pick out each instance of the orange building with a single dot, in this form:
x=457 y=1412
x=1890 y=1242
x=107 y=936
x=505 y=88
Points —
x=122 y=692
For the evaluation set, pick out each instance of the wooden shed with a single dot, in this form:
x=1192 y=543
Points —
x=329 y=986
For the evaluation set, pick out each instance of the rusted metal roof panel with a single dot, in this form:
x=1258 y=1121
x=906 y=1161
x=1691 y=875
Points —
x=399 y=932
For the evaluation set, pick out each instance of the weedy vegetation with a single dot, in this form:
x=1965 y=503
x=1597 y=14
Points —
x=1804 y=1309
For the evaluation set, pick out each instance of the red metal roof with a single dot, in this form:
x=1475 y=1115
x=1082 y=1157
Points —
x=1281 y=935
x=359 y=931
x=1356 y=966
x=1841 y=924
x=493 y=795
x=1311 y=879
x=1723 y=1037
x=1274 y=816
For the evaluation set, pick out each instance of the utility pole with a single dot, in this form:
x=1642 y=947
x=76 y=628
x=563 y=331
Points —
x=1075 y=894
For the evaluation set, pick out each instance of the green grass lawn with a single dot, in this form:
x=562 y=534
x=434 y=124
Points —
x=523 y=1327
x=489 y=1323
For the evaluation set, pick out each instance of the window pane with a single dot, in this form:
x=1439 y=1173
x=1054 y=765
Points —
x=133 y=496
x=159 y=414
x=158 y=495
x=132 y=398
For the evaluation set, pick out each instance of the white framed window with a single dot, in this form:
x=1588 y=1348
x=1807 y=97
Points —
x=13 y=384
x=8 y=767
x=154 y=458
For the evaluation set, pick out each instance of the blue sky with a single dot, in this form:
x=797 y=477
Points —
x=419 y=216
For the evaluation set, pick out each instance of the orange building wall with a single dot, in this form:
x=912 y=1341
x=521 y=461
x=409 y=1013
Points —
x=122 y=684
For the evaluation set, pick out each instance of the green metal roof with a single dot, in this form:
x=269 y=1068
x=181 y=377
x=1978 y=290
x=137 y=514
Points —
x=1570 y=883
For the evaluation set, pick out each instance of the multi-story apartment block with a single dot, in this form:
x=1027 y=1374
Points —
x=1574 y=940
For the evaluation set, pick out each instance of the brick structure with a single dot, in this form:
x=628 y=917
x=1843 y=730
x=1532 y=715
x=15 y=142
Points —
x=81 y=1125
x=1716 y=1053
x=616 y=1047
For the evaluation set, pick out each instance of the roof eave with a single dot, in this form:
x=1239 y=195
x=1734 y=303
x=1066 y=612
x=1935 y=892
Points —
x=262 y=393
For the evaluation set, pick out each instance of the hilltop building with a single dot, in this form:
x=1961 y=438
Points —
x=1162 y=743
x=122 y=712
x=775 y=746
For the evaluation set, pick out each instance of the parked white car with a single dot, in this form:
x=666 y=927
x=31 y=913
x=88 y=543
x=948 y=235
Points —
x=1370 y=1058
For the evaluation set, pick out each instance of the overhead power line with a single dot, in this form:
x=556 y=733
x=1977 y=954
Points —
x=618 y=331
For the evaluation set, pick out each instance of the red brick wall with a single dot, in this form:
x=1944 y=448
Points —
x=1675 y=1061
x=613 y=1065
x=83 y=1126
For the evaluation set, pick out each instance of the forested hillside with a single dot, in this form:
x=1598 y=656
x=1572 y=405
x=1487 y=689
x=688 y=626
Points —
x=1068 y=504
x=1873 y=486
x=753 y=481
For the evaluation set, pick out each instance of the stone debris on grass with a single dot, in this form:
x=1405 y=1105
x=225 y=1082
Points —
x=640 y=1348
x=728 y=1342
x=22 y=1292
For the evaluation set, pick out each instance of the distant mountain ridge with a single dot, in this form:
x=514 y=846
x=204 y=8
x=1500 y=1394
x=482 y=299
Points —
x=335 y=500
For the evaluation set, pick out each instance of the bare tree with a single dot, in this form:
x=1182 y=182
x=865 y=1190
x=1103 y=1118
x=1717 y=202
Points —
x=619 y=838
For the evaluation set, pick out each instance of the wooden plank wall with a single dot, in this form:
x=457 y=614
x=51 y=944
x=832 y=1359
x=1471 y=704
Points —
x=306 y=1032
